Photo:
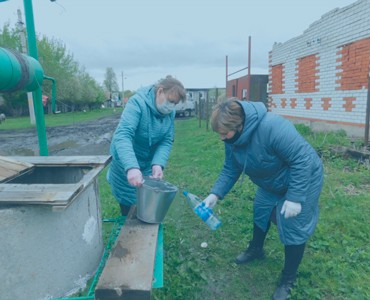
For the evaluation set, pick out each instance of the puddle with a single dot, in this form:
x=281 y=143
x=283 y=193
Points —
x=25 y=152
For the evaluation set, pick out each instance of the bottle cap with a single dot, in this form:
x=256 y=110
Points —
x=185 y=193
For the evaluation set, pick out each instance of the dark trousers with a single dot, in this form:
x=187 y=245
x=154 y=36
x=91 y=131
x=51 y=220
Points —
x=293 y=253
x=124 y=209
x=293 y=258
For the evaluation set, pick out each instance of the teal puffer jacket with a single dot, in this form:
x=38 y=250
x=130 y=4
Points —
x=143 y=138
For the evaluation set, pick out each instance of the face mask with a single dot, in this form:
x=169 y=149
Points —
x=166 y=107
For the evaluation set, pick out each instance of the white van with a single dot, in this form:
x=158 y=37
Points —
x=185 y=108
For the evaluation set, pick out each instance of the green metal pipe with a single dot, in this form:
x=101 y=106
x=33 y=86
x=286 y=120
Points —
x=19 y=71
x=37 y=94
x=36 y=74
x=10 y=70
x=53 y=92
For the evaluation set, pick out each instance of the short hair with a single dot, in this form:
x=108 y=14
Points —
x=173 y=86
x=228 y=116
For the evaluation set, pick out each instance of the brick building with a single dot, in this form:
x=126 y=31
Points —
x=321 y=77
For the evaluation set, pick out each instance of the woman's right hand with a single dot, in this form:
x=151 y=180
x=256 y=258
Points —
x=135 y=177
x=210 y=201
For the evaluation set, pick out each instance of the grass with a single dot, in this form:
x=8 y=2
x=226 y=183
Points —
x=336 y=262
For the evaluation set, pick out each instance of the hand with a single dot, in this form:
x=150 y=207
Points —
x=135 y=177
x=210 y=201
x=157 y=172
x=291 y=209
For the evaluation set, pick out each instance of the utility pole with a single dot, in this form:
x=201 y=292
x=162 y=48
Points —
x=123 y=87
x=249 y=70
x=22 y=35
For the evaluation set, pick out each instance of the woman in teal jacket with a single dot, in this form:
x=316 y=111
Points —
x=143 y=139
x=287 y=171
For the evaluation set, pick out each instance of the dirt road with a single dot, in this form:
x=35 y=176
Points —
x=87 y=138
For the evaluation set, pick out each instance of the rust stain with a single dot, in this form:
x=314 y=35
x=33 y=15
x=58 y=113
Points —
x=120 y=252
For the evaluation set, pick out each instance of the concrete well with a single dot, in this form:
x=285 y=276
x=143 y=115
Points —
x=50 y=220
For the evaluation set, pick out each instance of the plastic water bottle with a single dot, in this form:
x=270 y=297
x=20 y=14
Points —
x=205 y=213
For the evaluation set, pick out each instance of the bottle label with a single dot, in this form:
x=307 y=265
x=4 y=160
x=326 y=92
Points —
x=203 y=212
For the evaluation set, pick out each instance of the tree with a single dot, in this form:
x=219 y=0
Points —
x=91 y=91
x=9 y=37
x=15 y=103
x=110 y=82
x=59 y=64
x=74 y=86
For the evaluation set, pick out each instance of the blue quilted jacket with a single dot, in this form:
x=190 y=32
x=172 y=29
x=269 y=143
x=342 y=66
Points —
x=281 y=163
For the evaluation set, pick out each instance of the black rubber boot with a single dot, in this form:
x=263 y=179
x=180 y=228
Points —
x=293 y=257
x=249 y=255
x=255 y=248
x=284 y=288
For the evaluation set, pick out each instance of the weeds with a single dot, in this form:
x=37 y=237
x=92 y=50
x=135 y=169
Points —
x=336 y=262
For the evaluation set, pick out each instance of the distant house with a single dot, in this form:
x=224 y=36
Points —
x=239 y=88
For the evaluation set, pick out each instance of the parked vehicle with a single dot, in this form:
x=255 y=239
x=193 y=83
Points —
x=185 y=108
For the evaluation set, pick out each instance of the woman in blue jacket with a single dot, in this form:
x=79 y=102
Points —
x=143 y=139
x=287 y=171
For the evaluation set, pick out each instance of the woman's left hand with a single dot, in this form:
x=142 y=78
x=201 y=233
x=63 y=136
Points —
x=291 y=209
x=157 y=172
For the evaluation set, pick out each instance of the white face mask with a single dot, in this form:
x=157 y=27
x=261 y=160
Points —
x=166 y=107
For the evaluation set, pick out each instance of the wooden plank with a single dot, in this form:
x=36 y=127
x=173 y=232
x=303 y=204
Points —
x=65 y=160
x=46 y=194
x=10 y=168
x=58 y=195
x=128 y=273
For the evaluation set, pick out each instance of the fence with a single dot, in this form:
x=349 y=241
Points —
x=203 y=110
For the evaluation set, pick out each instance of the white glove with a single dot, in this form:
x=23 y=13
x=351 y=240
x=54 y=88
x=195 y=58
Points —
x=291 y=209
x=135 y=177
x=210 y=201
x=157 y=172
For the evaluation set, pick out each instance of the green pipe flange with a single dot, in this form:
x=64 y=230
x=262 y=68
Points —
x=19 y=72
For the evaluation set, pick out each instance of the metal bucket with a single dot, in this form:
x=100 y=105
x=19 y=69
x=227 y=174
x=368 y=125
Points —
x=153 y=199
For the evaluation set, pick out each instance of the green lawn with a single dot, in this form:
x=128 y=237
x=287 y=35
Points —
x=336 y=263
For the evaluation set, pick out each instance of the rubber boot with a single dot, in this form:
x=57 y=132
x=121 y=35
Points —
x=255 y=248
x=249 y=255
x=284 y=288
x=293 y=258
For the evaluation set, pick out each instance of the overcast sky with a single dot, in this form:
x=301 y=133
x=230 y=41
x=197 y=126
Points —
x=189 y=39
